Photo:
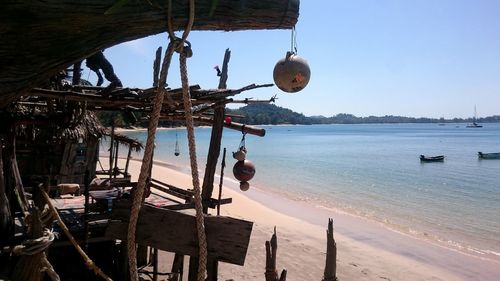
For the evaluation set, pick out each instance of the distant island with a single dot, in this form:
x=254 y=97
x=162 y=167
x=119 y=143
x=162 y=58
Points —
x=259 y=114
x=270 y=114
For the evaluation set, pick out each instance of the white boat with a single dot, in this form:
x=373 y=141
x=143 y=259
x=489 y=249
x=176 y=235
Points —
x=474 y=124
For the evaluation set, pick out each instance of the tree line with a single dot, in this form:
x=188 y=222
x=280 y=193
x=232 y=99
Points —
x=270 y=114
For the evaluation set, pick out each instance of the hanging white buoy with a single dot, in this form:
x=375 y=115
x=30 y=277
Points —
x=176 y=151
x=291 y=73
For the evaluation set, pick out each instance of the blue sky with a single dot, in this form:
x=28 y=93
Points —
x=415 y=58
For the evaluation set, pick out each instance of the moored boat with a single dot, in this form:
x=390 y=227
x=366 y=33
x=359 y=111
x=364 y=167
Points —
x=439 y=158
x=495 y=155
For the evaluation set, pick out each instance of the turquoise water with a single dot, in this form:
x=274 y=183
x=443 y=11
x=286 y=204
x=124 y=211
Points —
x=374 y=171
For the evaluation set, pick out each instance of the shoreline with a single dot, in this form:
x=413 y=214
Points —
x=369 y=239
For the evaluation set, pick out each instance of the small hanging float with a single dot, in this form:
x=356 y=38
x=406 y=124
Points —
x=176 y=150
x=243 y=169
x=291 y=73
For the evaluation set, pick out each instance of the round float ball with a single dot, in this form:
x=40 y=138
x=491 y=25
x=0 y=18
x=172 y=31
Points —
x=228 y=120
x=244 y=186
x=244 y=170
x=291 y=74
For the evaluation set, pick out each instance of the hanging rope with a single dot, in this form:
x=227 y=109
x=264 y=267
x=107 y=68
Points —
x=146 y=162
x=200 y=224
x=185 y=52
x=177 y=45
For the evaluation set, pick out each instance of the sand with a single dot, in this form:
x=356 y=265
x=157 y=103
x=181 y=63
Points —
x=366 y=250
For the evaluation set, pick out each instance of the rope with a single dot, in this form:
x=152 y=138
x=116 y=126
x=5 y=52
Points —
x=34 y=246
x=178 y=45
x=146 y=162
x=47 y=268
x=88 y=262
x=200 y=225
x=186 y=95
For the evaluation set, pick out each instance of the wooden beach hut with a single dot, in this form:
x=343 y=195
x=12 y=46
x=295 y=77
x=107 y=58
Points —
x=51 y=137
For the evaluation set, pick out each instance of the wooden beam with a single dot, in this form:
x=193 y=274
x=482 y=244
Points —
x=227 y=238
x=235 y=126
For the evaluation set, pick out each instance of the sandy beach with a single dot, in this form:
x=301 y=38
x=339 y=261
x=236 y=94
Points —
x=366 y=250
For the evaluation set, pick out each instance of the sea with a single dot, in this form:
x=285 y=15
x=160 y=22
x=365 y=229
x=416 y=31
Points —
x=373 y=171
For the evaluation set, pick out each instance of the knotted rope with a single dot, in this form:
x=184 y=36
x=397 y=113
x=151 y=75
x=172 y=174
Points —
x=34 y=246
x=37 y=246
x=88 y=262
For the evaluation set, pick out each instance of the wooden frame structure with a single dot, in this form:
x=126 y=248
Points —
x=39 y=39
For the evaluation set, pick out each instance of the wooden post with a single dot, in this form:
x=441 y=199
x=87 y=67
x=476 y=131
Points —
x=115 y=165
x=128 y=161
x=156 y=67
x=111 y=143
x=215 y=140
x=76 y=73
x=155 y=264
x=6 y=222
x=331 y=255
x=213 y=156
x=178 y=268
x=271 y=249
x=223 y=165
x=19 y=189
x=86 y=209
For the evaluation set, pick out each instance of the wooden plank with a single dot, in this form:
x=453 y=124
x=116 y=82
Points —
x=227 y=238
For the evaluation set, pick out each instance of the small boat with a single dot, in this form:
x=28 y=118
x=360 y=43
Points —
x=488 y=155
x=474 y=125
x=439 y=158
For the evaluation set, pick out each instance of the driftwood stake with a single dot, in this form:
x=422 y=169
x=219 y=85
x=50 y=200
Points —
x=331 y=255
x=271 y=249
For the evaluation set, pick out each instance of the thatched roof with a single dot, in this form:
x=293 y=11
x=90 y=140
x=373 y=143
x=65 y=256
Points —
x=54 y=127
x=135 y=144
x=89 y=126
x=40 y=38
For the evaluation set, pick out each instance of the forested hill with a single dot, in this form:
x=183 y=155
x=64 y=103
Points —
x=263 y=114
x=259 y=114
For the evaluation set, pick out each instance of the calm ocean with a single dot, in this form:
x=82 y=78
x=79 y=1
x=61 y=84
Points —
x=374 y=171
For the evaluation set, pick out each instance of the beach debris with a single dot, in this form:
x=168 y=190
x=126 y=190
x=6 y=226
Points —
x=291 y=73
x=271 y=250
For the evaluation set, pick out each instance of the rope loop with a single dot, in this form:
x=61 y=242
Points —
x=181 y=46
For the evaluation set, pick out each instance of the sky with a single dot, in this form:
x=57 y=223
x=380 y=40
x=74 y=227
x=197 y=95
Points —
x=417 y=58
